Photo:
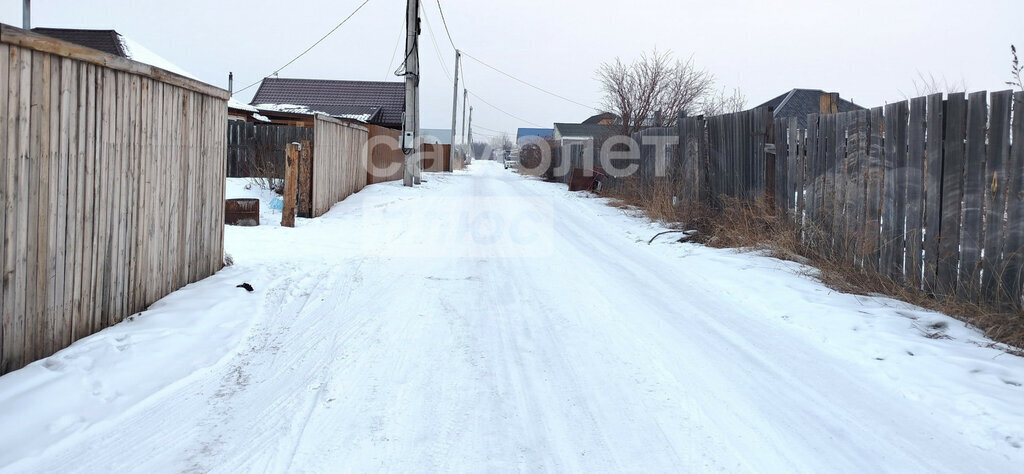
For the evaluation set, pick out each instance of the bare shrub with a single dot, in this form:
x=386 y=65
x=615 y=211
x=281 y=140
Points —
x=263 y=173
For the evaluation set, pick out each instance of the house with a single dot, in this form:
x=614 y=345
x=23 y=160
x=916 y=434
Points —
x=372 y=102
x=800 y=103
x=114 y=43
x=565 y=132
x=605 y=118
x=542 y=133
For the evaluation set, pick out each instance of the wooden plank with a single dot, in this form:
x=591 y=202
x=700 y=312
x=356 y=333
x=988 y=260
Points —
x=875 y=177
x=290 y=185
x=65 y=231
x=971 y=241
x=935 y=129
x=38 y=175
x=841 y=232
x=915 y=190
x=995 y=197
x=857 y=158
x=52 y=280
x=952 y=193
x=813 y=201
x=780 y=184
x=80 y=327
x=893 y=188
x=1013 y=246
x=829 y=179
x=7 y=196
x=798 y=170
x=19 y=106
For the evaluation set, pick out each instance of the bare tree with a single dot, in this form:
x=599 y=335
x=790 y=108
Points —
x=654 y=83
x=1016 y=70
x=929 y=84
x=724 y=102
x=502 y=142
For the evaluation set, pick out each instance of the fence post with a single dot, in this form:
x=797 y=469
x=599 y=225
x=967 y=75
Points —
x=291 y=175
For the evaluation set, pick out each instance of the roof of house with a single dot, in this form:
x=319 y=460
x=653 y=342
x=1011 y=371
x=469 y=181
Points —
x=800 y=103
x=567 y=130
x=599 y=117
x=114 y=43
x=107 y=41
x=535 y=132
x=337 y=98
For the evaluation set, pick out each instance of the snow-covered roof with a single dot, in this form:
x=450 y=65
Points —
x=234 y=103
x=302 y=109
x=136 y=52
x=112 y=42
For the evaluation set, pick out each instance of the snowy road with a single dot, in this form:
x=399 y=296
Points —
x=512 y=327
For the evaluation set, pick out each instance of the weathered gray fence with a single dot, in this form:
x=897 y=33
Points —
x=256 y=150
x=928 y=191
x=112 y=190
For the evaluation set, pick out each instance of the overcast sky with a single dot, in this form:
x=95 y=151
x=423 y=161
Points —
x=868 y=50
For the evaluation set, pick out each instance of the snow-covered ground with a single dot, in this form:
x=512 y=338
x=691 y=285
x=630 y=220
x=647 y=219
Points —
x=486 y=321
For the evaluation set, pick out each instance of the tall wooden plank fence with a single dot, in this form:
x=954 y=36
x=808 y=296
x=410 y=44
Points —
x=928 y=191
x=112 y=190
x=339 y=161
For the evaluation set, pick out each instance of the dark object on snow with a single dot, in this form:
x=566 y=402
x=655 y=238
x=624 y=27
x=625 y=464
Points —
x=247 y=287
x=581 y=182
x=242 y=212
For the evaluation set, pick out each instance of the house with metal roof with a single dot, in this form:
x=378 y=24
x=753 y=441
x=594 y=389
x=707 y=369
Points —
x=542 y=133
x=800 y=103
x=373 y=102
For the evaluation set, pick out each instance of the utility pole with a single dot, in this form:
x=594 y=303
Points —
x=469 y=138
x=465 y=101
x=26 y=14
x=411 y=121
x=455 y=99
x=231 y=83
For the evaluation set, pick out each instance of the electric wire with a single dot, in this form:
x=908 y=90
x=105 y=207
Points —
x=296 y=58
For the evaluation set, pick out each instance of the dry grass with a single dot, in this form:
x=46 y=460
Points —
x=755 y=226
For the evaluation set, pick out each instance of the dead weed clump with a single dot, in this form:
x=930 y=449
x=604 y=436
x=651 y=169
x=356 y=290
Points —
x=757 y=226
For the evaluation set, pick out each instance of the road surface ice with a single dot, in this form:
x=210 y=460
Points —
x=491 y=322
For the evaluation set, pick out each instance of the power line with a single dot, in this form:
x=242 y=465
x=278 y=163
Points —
x=401 y=34
x=445 y=22
x=437 y=49
x=528 y=84
x=329 y=33
x=499 y=109
x=490 y=129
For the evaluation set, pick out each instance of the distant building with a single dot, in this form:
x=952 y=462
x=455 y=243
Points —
x=542 y=133
x=605 y=118
x=581 y=132
x=373 y=102
x=800 y=103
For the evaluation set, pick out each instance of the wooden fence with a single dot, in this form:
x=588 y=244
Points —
x=339 y=160
x=929 y=192
x=385 y=155
x=112 y=193
x=257 y=149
